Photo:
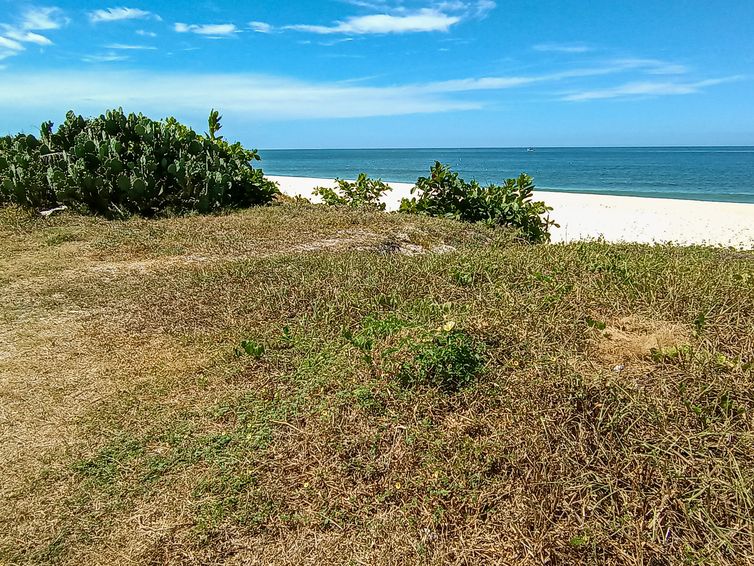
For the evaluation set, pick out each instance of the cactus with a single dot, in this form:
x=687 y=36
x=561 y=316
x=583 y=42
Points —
x=128 y=164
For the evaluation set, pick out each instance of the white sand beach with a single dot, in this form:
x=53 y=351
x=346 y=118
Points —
x=614 y=218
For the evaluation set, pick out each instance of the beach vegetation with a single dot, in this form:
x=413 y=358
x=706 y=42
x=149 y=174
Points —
x=362 y=193
x=449 y=359
x=267 y=386
x=118 y=164
x=445 y=194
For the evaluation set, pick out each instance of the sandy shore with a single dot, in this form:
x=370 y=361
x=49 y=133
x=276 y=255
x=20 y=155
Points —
x=614 y=218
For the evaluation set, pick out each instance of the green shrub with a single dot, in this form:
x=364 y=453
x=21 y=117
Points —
x=364 y=192
x=445 y=194
x=450 y=360
x=117 y=164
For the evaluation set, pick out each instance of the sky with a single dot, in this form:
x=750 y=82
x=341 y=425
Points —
x=392 y=73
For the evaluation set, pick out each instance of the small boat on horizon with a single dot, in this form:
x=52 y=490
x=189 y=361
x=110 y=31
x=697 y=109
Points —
x=531 y=149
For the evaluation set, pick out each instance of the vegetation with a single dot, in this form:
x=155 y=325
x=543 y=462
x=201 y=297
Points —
x=116 y=165
x=293 y=384
x=445 y=194
x=364 y=192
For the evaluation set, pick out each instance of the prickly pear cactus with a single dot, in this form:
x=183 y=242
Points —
x=117 y=165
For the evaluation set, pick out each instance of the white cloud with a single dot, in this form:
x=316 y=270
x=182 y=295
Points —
x=252 y=95
x=647 y=88
x=653 y=66
x=9 y=48
x=482 y=8
x=268 y=97
x=40 y=19
x=562 y=47
x=260 y=27
x=144 y=33
x=11 y=44
x=119 y=14
x=425 y=20
x=271 y=97
x=104 y=58
x=27 y=37
x=13 y=37
x=210 y=30
x=127 y=47
x=394 y=17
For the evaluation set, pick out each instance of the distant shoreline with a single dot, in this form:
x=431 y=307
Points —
x=585 y=216
x=708 y=174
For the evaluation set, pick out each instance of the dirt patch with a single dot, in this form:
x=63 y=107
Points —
x=633 y=338
x=148 y=265
x=363 y=240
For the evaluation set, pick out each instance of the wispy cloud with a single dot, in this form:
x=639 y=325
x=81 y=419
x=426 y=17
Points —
x=27 y=37
x=395 y=18
x=9 y=47
x=120 y=14
x=209 y=30
x=648 y=89
x=129 y=47
x=426 y=20
x=144 y=33
x=271 y=97
x=615 y=67
x=40 y=19
x=258 y=96
x=562 y=48
x=260 y=27
x=653 y=66
x=11 y=44
x=14 y=36
x=104 y=58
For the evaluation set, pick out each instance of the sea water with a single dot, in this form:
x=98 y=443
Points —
x=697 y=173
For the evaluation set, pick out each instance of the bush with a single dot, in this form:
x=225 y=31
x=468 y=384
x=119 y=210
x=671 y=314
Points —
x=445 y=194
x=364 y=192
x=116 y=165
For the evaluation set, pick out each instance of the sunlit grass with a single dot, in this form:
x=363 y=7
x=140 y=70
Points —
x=301 y=385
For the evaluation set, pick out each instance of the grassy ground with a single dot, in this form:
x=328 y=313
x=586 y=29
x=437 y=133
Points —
x=293 y=385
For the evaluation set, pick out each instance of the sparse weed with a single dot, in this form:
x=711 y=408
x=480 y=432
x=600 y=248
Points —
x=250 y=348
x=450 y=360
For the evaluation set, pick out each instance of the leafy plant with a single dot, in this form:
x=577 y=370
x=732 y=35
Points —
x=362 y=193
x=598 y=324
x=214 y=124
x=117 y=165
x=445 y=194
x=672 y=353
x=450 y=359
x=251 y=348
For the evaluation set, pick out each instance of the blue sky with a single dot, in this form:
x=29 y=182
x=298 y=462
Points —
x=392 y=73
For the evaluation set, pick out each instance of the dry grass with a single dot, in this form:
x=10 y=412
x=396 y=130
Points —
x=613 y=422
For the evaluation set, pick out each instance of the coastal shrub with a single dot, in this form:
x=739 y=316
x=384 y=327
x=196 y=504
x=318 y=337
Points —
x=364 y=192
x=445 y=194
x=117 y=165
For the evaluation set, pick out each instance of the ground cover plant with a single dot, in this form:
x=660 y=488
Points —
x=445 y=194
x=300 y=385
x=117 y=165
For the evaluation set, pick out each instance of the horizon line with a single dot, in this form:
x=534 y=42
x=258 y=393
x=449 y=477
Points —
x=524 y=147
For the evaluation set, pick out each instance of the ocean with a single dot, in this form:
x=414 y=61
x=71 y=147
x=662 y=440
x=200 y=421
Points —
x=696 y=173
